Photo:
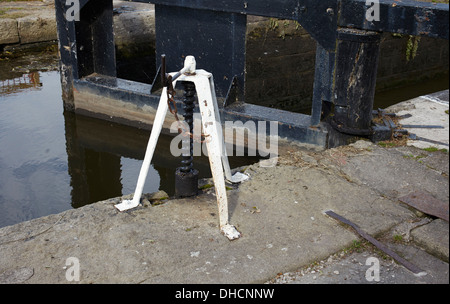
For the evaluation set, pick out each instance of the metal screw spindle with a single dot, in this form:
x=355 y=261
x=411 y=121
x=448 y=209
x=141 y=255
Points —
x=188 y=101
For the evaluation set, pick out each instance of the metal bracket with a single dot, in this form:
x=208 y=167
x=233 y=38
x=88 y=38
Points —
x=390 y=129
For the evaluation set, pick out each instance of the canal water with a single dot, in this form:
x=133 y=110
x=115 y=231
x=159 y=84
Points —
x=52 y=160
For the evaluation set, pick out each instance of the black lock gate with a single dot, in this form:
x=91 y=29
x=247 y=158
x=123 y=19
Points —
x=214 y=32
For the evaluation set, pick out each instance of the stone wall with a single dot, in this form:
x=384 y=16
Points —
x=26 y=22
x=27 y=30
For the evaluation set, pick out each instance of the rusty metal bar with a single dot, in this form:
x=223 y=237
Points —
x=423 y=126
x=416 y=270
x=415 y=137
x=426 y=204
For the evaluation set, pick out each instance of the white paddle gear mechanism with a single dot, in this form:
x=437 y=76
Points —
x=212 y=127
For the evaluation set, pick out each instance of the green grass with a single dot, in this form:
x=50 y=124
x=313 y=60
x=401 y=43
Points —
x=386 y=144
x=11 y=11
x=207 y=186
x=411 y=156
x=434 y=149
x=398 y=238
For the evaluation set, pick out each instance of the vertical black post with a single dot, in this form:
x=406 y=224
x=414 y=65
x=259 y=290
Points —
x=95 y=39
x=66 y=45
x=355 y=78
x=323 y=82
x=186 y=177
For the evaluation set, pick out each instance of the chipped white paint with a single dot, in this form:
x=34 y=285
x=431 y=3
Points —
x=230 y=232
x=238 y=177
x=195 y=254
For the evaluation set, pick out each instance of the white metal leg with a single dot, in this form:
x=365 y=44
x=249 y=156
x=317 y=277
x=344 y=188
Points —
x=218 y=160
x=154 y=135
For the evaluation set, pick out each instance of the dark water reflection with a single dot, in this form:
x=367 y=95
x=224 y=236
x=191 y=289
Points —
x=51 y=160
